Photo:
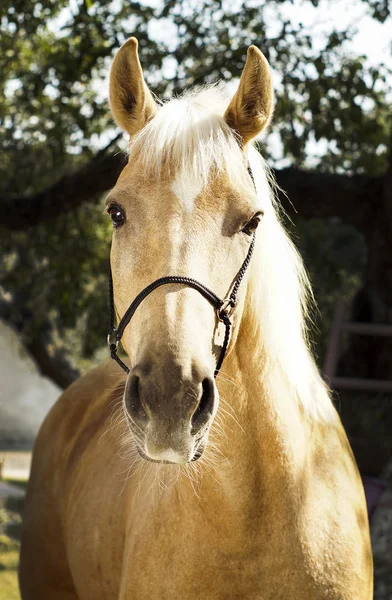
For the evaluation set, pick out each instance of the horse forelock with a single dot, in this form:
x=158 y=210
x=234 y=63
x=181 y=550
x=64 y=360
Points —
x=189 y=136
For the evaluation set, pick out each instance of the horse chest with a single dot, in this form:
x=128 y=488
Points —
x=187 y=571
x=187 y=559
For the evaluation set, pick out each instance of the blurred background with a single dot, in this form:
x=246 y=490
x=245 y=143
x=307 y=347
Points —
x=330 y=146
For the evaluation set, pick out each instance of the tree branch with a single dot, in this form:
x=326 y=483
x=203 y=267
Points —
x=51 y=362
x=315 y=194
x=311 y=194
x=53 y=365
x=98 y=175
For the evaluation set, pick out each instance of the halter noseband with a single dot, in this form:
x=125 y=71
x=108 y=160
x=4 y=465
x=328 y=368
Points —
x=223 y=307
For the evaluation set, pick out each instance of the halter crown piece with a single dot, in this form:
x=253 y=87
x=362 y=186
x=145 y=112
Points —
x=223 y=308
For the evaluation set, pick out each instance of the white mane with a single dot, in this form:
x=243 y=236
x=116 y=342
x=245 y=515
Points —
x=281 y=294
x=189 y=135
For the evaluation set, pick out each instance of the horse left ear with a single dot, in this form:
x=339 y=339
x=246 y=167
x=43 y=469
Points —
x=251 y=107
x=131 y=101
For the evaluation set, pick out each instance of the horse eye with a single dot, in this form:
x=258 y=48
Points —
x=252 y=225
x=117 y=215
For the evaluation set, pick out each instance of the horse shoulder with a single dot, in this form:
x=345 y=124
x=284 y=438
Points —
x=81 y=411
x=71 y=428
x=334 y=525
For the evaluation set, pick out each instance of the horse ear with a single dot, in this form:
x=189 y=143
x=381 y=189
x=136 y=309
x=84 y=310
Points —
x=131 y=102
x=251 y=107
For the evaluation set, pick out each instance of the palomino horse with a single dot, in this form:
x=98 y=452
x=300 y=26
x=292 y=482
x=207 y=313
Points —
x=241 y=486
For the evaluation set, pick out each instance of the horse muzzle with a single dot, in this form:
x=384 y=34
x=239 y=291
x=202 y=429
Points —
x=170 y=413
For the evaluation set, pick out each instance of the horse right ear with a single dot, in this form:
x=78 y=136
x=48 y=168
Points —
x=131 y=102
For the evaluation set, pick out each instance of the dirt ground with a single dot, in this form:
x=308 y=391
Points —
x=381 y=532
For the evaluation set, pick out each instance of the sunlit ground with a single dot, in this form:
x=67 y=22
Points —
x=9 y=551
x=11 y=510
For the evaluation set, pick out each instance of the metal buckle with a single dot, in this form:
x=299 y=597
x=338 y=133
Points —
x=226 y=307
x=112 y=339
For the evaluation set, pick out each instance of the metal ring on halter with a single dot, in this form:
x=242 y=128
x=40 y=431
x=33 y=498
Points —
x=112 y=339
x=226 y=308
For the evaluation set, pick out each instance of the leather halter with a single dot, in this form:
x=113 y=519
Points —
x=223 y=307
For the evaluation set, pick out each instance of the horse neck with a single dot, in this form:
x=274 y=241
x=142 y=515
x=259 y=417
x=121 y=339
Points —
x=261 y=431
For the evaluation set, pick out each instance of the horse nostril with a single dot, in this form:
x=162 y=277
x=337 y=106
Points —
x=205 y=407
x=133 y=401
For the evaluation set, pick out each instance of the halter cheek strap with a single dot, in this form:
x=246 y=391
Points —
x=223 y=307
